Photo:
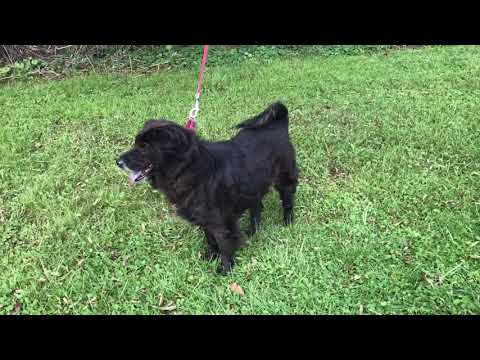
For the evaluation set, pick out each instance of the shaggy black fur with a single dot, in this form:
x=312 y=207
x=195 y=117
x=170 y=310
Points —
x=213 y=183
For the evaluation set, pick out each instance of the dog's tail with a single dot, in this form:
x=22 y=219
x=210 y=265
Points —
x=275 y=113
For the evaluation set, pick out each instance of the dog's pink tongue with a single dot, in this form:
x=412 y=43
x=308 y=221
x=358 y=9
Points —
x=132 y=177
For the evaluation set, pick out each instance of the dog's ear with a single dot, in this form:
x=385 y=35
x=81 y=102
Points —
x=167 y=136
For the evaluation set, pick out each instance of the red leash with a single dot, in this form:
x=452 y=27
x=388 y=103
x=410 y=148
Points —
x=192 y=119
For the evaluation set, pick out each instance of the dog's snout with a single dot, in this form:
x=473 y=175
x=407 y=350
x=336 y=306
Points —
x=120 y=163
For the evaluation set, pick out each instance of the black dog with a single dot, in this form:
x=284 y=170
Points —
x=213 y=183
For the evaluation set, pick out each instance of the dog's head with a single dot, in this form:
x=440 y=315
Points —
x=159 y=145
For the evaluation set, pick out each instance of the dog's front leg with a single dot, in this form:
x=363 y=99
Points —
x=212 y=247
x=228 y=239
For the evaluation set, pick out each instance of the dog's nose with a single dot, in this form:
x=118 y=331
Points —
x=120 y=163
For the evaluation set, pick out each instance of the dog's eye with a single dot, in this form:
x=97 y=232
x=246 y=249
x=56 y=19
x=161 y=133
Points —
x=142 y=145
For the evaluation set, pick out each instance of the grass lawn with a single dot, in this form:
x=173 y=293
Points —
x=388 y=206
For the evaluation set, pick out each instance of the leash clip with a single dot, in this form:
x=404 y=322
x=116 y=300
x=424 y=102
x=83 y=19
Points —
x=195 y=109
x=191 y=122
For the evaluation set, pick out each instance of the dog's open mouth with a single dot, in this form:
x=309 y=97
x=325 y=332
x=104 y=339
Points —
x=136 y=177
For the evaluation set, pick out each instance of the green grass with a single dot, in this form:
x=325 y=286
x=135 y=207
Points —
x=387 y=215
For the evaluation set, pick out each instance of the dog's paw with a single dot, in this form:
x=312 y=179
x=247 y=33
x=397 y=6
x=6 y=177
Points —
x=226 y=266
x=288 y=218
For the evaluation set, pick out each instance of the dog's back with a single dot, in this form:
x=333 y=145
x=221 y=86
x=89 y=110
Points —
x=266 y=134
x=275 y=115
x=265 y=137
x=270 y=156
x=259 y=156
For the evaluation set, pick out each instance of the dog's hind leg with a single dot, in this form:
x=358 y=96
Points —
x=287 y=194
x=255 y=218
x=287 y=187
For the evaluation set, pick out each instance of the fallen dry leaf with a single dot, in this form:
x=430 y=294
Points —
x=16 y=309
x=92 y=301
x=407 y=259
x=427 y=279
x=236 y=289
x=169 y=307
x=2 y=215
